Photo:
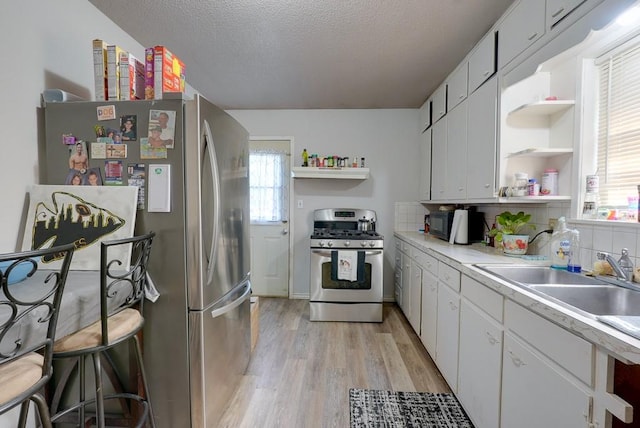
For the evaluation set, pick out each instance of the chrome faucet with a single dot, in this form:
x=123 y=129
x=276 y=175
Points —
x=620 y=273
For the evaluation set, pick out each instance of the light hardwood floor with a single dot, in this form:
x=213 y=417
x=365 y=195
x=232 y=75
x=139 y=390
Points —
x=301 y=371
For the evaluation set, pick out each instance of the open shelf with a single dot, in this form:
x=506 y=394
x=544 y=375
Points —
x=343 y=173
x=542 y=108
x=534 y=199
x=540 y=152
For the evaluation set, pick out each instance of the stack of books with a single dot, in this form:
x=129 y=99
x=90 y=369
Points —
x=119 y=75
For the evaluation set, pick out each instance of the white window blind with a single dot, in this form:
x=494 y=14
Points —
x=268 y=185
x=619 y=126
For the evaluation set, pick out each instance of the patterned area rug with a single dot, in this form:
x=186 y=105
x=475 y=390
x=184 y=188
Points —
x=392 y=409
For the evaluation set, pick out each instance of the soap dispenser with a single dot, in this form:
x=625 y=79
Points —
x=560 y=245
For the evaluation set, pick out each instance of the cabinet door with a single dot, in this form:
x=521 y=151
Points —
x=447 y=334
x=457 y=86
x=429 y=318
x=439 y=159
x=425 y=166
x=482 y=62
x=456 y=176
x=439 y=103
x=480 y=366
x=536 y=395
x=481 y=146
x=406 y=285
x=425 y=115
x=415 y=297
x=558 y=9
x=520 y=29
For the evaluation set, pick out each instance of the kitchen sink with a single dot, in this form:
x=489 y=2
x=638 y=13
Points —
x=589 y=295
x=595 y=299
x=527 y=275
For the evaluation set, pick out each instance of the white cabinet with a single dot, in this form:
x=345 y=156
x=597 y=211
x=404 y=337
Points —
x=456 y=170
x=398 y=273
x=439 y=159
x=559 y=9
x=457 y=85
x=482 y=62
x=448 y=323
x=480 y=362
x=425 y=166
x=413 y=312
x=425 y=115
x=546 y=374
x=481 y=144
x=523 y=25
x=439 y=103
x=535 y=395
x=429 y=317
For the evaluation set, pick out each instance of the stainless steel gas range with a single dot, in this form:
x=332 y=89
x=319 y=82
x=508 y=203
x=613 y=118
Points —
x=346 y=266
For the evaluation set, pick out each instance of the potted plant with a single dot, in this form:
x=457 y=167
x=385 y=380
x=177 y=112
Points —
x=510 y=232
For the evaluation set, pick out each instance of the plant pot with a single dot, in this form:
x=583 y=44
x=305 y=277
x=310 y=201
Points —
x=515 y=245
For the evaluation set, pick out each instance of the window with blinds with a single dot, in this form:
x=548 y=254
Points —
x=618 y=134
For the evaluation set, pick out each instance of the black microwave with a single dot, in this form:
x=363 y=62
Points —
x=440 y=224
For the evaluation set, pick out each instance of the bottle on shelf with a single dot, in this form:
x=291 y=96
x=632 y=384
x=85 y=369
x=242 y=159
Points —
x=591 y=198
x=305 y=158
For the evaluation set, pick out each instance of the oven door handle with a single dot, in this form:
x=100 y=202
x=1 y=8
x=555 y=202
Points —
x=328 y=253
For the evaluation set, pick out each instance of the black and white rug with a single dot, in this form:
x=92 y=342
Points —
x=393 y=409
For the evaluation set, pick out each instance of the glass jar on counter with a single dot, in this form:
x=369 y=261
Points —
x=520 y=184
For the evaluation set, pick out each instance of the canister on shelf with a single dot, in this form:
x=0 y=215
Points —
x=533 y=188
x=549 y=185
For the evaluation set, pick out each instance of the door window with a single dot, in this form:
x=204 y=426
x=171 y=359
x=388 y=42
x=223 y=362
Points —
x=269 y=183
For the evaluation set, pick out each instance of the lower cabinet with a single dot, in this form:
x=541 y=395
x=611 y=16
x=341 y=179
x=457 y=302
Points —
x=546 y=375
x=415 y=296
x=535 y=394
x=480 y=366
x=429 y=319
x=447 y=334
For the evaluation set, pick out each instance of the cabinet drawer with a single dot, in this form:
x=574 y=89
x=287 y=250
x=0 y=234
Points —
x=450 y=276
x=483 y=297
x=428 y=262
x=406 y=247
x=568 y=350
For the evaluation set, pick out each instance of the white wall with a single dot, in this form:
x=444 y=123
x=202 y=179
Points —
x=47 y=44
x=387 y=139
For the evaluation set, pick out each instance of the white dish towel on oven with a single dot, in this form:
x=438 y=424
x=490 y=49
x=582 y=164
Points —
x=348 y=265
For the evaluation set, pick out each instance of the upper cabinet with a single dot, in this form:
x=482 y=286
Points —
x=523 y=25
x=557 y=10
x=482 y=62
x=457 y=86
x=425 y=115
x=439 y=103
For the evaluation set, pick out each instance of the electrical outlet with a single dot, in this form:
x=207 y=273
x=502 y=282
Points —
x=552 y=223
x=300 y=203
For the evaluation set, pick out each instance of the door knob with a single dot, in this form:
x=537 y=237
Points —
x=285 y=231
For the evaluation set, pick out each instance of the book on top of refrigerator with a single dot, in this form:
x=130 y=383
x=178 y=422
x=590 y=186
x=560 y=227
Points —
x=100 y=69
x=113 y=72
x=131 y=77
x=168 y=71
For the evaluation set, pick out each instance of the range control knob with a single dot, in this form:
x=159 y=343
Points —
x=372 y=244
x=347 y=243
x=363 y=243
x=330 y=244
x=321 y=244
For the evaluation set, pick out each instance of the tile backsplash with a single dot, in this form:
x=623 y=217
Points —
x=594 y=235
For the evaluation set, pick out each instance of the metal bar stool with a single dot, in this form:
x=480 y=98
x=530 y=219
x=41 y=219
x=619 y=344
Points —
x=121 y=301
x=28 y=319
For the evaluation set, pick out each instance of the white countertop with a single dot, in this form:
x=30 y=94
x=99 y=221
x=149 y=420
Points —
x=463 y=257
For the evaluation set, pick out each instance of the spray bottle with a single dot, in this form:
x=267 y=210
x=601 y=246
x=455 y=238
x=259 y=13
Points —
x=560 y=245
x=573 y=264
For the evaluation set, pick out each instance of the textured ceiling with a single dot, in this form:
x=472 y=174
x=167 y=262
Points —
x=274 y=54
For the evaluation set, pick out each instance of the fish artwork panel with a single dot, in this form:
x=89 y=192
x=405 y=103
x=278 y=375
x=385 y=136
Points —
x=82 y=215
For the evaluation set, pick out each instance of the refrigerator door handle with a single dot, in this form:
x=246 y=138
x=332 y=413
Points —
x=231 y=306
x=207 y=136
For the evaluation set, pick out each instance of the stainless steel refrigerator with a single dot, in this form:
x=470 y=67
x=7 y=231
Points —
x=197 y=334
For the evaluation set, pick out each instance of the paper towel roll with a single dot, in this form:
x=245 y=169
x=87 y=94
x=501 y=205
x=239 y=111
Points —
x=460 y=227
